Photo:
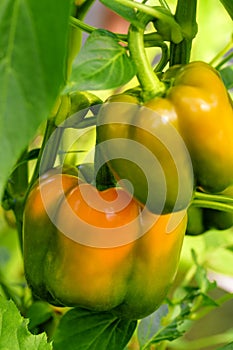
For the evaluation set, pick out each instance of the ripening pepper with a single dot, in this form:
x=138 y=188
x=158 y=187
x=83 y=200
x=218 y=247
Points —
x=144 y=148
x=197 y=105
x=205 y=121
x=72 y=264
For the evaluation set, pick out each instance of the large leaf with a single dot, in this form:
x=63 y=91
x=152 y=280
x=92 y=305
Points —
x=228 y=4
x=33 y=45
x=102 y=63
x=14 y=334
x=81 y=329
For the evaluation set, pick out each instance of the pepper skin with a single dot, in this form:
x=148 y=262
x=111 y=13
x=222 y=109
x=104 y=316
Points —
x=146 y=149
x=197 y=105
x=131 y=279
x=205 y=121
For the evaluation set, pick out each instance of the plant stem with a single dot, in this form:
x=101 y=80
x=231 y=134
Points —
x=222 y=53
x=224 y=60
x=186 y=17
x=48 y=131
x=148 y=10
x=18 y=185
x=149 y=38
x=104 y=179
x=213 y=197
x=212 y=205
x=81 y=10
x=150 y=83
x=77 y=23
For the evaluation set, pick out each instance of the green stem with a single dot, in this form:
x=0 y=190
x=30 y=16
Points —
x=148 y=10
x=103 y=177
x=222 y=53
x=15 y=191
x=186 y=17
x=18 y=211
x=19 y=176
x=213 y=197
x=225 y=60
x=212 y=205
x=51 y=152
x=164 y=58
x=81 y=10
x=150 y=83
x=150 y=39
x=155 y=40
x=77 y=23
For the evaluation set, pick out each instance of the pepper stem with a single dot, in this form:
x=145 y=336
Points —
x=213 y=201
x=186 y=17
x=150 y=83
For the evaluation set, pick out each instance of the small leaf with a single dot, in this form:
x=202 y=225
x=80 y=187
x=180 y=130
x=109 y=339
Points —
x=81 y=329
x=150 y=325
x=14 y=334
x=102 y=63
x=208 y=301
x=38 y=313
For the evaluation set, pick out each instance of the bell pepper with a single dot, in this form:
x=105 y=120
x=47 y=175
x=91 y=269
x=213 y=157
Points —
x=197 y=105
x=144 y=148
x=205 y=121
x=98 y=250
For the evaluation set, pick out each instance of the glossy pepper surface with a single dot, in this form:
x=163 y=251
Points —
x=197 y=105
x=129 y=277
x=205 y=121
x=143 y=147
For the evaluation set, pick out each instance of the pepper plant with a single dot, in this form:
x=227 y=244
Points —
x=116 y=174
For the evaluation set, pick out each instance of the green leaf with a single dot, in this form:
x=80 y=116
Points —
x=101 y=64
x=150 y=325
x=81 y=329
x=226 y=347
x=33 y=46
x=14 y=334
x=169 y=332
x=124 y=11
x=38 y=313
x=227 y=76
x=228 y=4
